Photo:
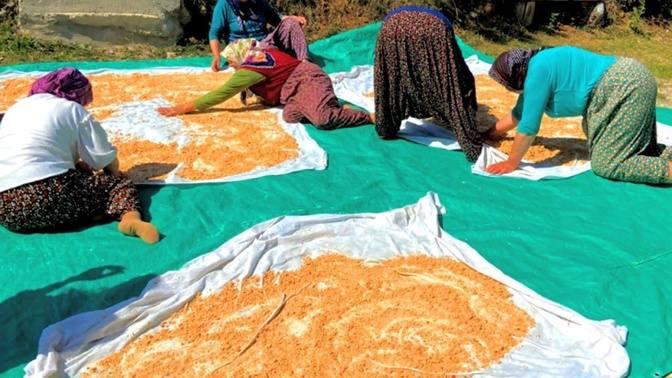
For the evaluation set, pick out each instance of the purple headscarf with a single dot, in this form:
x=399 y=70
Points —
x=67 y=83
x=510 y=68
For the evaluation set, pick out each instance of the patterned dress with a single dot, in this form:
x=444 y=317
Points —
x=308 y=95
x=419 y=72
x=289 y=37
x=66 y=200
x=620 y=122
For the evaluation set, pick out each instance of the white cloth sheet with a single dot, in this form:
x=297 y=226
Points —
x=356 y=87
x=562 y=343
x=141 y=120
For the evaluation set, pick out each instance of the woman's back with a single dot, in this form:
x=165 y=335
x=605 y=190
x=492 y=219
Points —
x=42 y=136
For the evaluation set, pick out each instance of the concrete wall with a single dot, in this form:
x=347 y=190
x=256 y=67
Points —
x=156 y=22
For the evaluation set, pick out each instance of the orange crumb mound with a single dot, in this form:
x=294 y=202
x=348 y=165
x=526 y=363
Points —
x=115 y=89
x=143 y=160
x=102 y=114
x=560 y=141
x=225 y=143
x=412 y=316
x=13 y=90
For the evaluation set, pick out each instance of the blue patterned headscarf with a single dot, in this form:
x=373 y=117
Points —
x=510 y=68
x=240 y=15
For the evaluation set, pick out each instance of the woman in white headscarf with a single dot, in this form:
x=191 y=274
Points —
x=302 y=87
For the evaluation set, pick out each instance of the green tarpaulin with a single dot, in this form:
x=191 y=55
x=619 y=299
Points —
x=597 y=246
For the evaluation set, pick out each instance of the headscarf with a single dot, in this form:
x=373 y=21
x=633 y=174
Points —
x=510 y=68
x=245 y=51
x=246 y=12
x=418 y=8
x=68 y=83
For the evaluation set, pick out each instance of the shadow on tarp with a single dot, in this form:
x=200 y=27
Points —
x=25 y=315
x=146 y=194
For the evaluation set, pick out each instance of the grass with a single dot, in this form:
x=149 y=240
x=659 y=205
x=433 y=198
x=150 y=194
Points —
x=650 y=44
x=650 y=47
x=19 y=48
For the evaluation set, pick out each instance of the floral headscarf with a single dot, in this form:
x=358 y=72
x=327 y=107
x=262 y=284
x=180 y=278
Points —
x=236 y=51
x=510 y=68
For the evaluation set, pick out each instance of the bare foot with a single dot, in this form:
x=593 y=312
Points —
x=131 y=224
x=373 y=118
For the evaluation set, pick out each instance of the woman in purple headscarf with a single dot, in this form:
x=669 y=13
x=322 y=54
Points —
x=57 y=167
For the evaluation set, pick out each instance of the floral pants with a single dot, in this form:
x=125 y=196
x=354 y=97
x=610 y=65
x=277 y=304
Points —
x=620 y=122
x=66 y=200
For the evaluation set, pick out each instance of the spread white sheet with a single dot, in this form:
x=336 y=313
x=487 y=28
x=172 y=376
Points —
x=562 y=344
x=141 y=120
x=356 y=87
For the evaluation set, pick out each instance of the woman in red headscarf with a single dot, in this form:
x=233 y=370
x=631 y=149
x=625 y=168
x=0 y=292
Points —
x=50 y=147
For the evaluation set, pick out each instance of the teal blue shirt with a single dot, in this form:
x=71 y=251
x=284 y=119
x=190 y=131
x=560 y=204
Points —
x=558 y=82
x=226 y=24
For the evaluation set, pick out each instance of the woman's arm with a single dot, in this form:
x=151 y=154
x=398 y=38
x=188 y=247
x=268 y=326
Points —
x=529 y=111
x=502 y=127
x=521 y=143
x=217 y=26
x=216 y=58
x=113 y=168
x=239 y=82
x=93 y=145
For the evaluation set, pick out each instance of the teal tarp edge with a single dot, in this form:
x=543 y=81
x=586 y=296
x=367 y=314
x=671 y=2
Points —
x=599 y=247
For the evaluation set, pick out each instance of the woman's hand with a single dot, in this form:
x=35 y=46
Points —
x=521 y=143
x=172 y=111
x=216 y=63
x=502 y=168
x=300 y=19
x=169 y=111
